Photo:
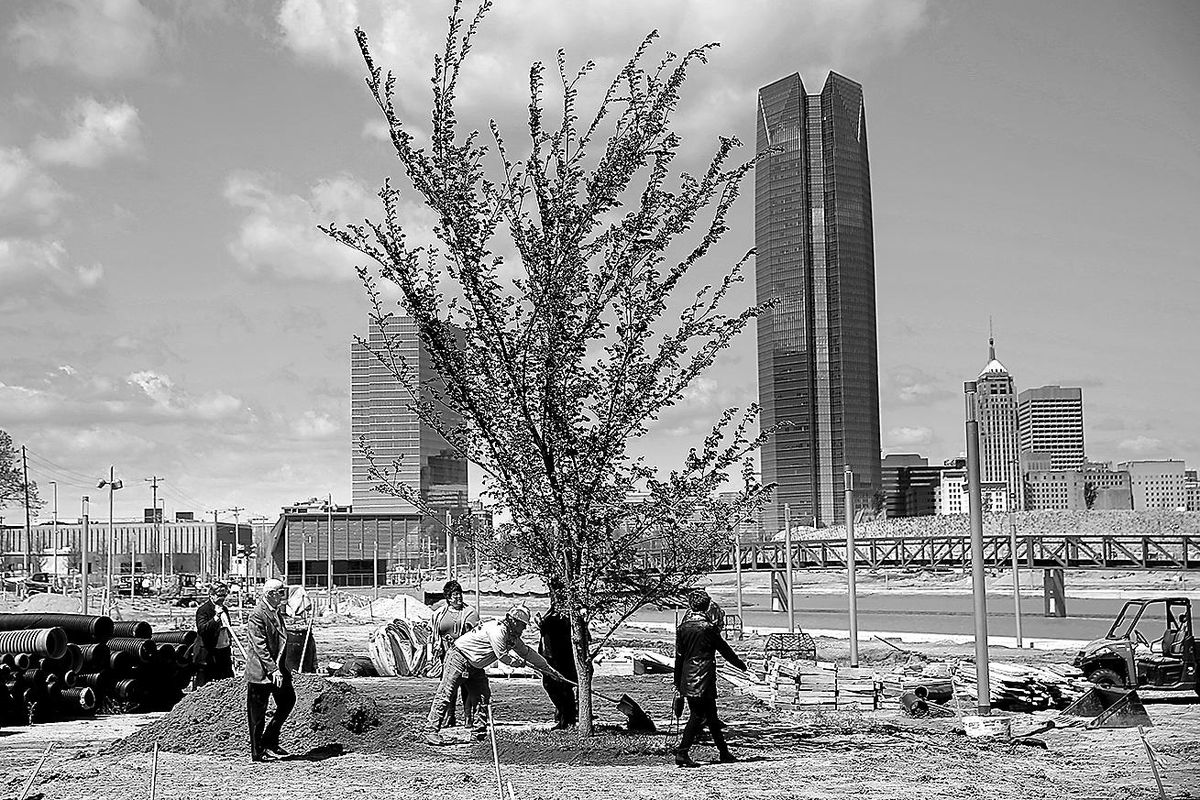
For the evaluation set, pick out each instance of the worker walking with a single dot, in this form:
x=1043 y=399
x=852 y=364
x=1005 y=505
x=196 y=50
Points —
x=697 y=641
x=466 y=660
x=267 y=674
x=214 y=638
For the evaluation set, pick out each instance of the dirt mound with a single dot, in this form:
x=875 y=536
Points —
x=47 y=603
x=212 y=720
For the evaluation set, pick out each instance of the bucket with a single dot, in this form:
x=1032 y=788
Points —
x=988 y=727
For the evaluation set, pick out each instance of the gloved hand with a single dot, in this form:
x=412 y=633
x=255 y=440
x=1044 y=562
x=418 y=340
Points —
x=677 y=706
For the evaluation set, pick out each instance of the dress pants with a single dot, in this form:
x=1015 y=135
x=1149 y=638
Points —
x=218 y=667
x=265 y=735
x=702 y=712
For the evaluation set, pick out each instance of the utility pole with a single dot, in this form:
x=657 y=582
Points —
x=329 y=547
x=54 y=535
x=1012 y=548
x=84 y=558
x=851 y=563
x=214 y=550
x=28 y=532
x=154 y=480
x=978 y=578
x=449 y=545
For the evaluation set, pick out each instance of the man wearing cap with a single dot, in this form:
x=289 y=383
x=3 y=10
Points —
x=214 y=637
x=466 y=660
x=697 y=641
x=267 y=676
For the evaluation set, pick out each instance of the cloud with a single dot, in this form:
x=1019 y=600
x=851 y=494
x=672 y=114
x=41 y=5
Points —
x=101 y=40
x=1141 y=445
x=34 y=271
x=167 y=400
x=809 y=37
x=96 y=133
x=314 y=425
x=29 y=198
x=909 y=436
x=279 y=235
x=914 y=387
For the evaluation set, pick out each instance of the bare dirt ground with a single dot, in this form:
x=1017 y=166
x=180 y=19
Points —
x=826 y=755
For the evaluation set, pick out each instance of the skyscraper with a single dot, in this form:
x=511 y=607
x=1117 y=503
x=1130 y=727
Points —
x=1050 y=421
x=998 y=442
x=380 y=418
x=817 y=354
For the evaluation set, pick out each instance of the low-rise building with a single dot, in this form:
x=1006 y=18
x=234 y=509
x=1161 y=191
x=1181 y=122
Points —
x=1157 y=485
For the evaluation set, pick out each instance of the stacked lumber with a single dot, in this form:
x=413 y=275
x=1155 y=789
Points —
x=1021 y=687
x=66 y=666
x=801 y=685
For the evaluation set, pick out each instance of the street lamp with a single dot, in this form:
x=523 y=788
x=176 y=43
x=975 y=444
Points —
x=112 y=484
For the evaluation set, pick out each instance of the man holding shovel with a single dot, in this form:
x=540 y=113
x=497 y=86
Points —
x=466 y=660
x=267 y=674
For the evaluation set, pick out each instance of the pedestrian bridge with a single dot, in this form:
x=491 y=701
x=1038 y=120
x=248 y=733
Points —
x=1041 y=551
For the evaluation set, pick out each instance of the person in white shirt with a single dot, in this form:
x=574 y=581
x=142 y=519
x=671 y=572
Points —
x=466 y=659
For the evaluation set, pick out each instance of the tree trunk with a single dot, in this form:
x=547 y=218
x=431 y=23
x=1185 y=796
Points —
x=580 y=643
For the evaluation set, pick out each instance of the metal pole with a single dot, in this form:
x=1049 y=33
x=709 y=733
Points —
x=449 y=569
x=1012 y=546
x=83 y=560
x=978 y=581
x=329 y=544
x=214 y=551
x=787 y=558
x=737 y=571
x=375 y=568
x=55 y=524
x=132 y=560
x=851 y=559
x=112 y=535
x=28 y=532
x=303 y=557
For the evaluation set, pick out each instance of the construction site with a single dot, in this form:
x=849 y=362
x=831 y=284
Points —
x=96 y=705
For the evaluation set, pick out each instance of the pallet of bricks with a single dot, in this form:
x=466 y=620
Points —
x=802 y=685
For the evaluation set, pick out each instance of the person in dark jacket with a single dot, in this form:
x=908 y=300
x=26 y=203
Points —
x=214 y=638
x=697 y=641
x=267 y=674
x=555 y=628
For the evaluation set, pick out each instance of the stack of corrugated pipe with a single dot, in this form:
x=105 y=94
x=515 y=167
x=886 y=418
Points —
x=65 y=666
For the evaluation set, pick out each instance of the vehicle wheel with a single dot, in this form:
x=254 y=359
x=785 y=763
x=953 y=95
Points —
x=1106 y=678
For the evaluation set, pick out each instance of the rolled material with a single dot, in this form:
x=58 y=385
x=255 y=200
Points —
x=80 y=628
x=132 y=629
x=175 y=637
x=45 y=642
x=141 y=649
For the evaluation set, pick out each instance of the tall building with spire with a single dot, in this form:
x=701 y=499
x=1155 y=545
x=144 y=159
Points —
x=999 y=439
x=818 y=359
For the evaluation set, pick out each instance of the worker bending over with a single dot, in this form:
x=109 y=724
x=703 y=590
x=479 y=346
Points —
x=466 y=660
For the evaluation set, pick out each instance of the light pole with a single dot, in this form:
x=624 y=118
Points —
x=1012 y=546
x=113 y=484
x=84 y=558
x=329 y=548
x=851 y=563
x=787 y=559
x=978 y=583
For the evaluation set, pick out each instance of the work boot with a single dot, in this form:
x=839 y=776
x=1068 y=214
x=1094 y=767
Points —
x=682 y=759
x=278 y=752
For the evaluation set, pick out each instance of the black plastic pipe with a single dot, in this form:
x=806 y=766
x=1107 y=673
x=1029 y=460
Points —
x=175 y=637
x=44 y=642
x=80 y=628
x=132 y=629
x=141 y=649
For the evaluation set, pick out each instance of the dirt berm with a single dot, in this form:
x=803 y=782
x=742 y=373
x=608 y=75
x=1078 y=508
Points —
x=212 y=720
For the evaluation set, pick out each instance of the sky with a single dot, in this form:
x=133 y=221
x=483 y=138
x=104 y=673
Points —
x=168 y=307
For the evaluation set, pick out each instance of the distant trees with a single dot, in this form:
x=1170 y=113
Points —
x=12 y=480
x=550 y=370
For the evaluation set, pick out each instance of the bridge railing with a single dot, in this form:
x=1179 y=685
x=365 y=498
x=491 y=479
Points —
x=1039 y=551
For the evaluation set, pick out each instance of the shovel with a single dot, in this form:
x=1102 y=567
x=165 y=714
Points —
x=637 y=720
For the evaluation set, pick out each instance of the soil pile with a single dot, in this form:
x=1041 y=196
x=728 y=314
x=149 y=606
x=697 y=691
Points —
x=47 y=603
x=212 y=720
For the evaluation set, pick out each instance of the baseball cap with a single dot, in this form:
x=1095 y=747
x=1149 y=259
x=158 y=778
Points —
x=520 y=613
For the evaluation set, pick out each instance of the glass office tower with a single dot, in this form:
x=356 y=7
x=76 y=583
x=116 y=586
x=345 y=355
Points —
x=818 y=363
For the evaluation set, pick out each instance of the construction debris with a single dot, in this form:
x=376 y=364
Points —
x=790 y=684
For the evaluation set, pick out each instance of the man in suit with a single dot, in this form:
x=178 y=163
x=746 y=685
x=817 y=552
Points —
x=267 y=675
x=555 y=628
x=697 y=641
x=214 y=637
